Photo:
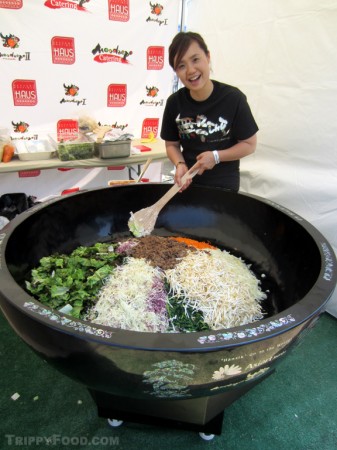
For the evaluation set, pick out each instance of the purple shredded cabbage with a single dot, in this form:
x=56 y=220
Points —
x=125 y=247
x=157 y=297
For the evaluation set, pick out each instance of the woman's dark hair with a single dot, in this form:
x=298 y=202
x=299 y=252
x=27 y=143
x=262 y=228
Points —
x=180 y=44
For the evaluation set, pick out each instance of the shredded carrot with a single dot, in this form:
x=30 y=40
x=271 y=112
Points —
x=194 y=243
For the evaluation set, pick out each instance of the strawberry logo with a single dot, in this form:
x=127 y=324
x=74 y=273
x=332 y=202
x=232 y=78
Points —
x=71 y=90
x=156 y=9
x=20 y=127
x=152 y=91
x=10 y=41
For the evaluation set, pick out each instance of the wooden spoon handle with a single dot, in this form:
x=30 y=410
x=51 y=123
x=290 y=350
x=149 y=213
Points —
x=176 y=188
x=148 y=162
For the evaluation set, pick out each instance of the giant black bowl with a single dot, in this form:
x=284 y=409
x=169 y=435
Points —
x=294 y=261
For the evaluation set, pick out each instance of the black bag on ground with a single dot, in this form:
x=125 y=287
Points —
x=13 y=204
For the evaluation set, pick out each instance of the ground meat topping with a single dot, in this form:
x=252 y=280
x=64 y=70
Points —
x=160 y=251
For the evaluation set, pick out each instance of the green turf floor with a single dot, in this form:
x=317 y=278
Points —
x=295 y=408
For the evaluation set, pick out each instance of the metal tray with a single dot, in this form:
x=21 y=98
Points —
x=113 y=149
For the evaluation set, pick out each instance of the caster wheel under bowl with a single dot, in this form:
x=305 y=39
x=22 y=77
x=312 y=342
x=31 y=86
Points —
x=206 y=437
x=115 y=422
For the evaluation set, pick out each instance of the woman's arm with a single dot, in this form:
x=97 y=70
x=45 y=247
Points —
x=173 y=152
x=240 y=150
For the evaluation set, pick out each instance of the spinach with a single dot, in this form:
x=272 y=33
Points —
x=70 y=152
x=184 y=318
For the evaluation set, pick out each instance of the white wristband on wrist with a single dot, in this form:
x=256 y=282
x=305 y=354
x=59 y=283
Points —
x=216 y=156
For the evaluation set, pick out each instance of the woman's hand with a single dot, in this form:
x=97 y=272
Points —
x=206 y=161
x=181 y=169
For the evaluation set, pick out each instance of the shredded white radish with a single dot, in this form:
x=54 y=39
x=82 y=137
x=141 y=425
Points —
x=123 y=302
x=220 y=285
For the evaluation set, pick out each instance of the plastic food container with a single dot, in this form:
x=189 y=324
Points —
x=36 y=156
x=82 y=148
x=69 y=150
x=113 y=149
x=34 y=150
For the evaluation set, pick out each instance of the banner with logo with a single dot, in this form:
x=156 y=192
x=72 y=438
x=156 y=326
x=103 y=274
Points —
x=62 y=59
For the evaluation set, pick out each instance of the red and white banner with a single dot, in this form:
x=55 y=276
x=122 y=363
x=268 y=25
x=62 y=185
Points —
x=61 y=59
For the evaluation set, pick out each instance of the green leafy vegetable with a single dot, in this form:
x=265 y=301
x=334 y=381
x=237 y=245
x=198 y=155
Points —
x=135 y=227
x=74 y=151
x=183 y=318
x=73 y=279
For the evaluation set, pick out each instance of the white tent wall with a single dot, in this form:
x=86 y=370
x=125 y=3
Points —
x=282 y=55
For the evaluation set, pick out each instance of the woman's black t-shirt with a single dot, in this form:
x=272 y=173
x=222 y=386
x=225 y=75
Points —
x=217 y=123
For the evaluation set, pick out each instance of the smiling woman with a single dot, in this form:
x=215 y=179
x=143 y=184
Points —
x=206 y=122
x=193 y=69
